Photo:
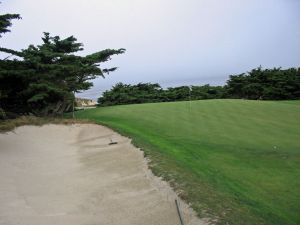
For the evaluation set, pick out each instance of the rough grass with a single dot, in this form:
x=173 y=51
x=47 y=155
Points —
x=9 y=125
x=234 y=160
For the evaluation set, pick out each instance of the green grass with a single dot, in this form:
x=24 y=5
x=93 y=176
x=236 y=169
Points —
x=234 y=160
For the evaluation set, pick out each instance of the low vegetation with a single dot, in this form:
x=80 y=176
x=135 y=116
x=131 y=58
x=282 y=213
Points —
x=234 y=160
x=263 y=84
x=121 y=94
x=11 y=124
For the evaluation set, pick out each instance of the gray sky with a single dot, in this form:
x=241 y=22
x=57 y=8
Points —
x=172 y=42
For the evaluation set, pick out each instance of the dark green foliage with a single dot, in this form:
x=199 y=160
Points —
x=268 y=84
x=5 y=22
x=147 y=92
x=208 y=92
x=177 y=94
x=44 y=81
x=130 y=94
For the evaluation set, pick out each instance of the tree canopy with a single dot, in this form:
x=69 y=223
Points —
x=263 y=84
x=42 y=79
x=5 y=22
x=148 y=92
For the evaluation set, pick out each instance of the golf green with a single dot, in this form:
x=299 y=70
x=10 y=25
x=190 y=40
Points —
x=234 y=160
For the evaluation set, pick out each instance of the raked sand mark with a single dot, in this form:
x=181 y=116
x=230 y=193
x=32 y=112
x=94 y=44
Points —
x=70 y=175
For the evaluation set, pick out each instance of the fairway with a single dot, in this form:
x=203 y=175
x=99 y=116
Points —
x=234 y=160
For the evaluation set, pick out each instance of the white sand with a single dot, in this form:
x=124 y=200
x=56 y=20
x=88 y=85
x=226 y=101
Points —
x=69 y=175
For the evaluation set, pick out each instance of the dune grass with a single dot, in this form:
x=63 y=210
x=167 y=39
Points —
x=236 y=161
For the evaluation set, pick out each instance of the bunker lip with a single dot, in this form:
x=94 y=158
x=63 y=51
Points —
x=71 y=174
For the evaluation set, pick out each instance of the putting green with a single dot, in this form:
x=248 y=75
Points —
x=237 y=160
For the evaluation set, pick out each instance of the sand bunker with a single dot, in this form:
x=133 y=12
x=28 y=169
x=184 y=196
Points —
x=70 y=175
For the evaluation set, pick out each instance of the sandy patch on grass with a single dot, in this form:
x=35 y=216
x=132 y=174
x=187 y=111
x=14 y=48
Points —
x=70 y=175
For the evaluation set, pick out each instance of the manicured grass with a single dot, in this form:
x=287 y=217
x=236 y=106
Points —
x=234 y=160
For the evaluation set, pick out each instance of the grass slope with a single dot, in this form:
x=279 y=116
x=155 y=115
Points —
x=234 y=159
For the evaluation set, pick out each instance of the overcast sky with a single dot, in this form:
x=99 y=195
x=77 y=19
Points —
x=172 y=42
